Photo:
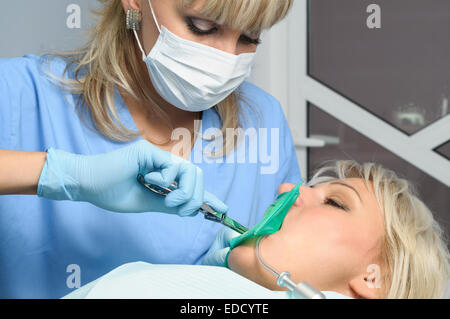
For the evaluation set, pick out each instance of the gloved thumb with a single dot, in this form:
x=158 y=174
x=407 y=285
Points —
x=223 y=238
x=228 y=234
x=163 y=178
x=215 y=203
x=217 y=258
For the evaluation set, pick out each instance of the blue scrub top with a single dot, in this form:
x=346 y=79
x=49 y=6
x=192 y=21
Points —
x=41 y=240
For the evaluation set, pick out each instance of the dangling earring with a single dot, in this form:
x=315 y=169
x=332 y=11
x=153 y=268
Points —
x=133 y=19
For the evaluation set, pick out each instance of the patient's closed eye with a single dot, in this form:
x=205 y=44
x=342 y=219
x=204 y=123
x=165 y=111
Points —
x=334 y=203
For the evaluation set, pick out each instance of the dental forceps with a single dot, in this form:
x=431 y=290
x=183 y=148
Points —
x=210 y=214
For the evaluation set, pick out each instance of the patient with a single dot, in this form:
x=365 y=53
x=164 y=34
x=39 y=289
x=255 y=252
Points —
x=358 y=230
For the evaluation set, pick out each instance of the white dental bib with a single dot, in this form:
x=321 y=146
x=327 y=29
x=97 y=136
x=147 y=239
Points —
x=141 y=280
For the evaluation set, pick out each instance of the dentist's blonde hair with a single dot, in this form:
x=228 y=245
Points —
x=416 y=260
x=111 y=58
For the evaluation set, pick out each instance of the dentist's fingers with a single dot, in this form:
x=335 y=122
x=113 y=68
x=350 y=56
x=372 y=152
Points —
x=193 y=205
x=229 y=234
x=216 y=259
x=187 y=175
x=215 y=203
x=158 y=166
x=163 y=178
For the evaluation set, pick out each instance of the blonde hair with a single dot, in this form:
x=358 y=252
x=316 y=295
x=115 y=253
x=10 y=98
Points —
x=415 y=256
x=110 y=59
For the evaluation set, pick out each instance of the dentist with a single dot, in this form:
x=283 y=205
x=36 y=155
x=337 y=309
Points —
x=158 y=83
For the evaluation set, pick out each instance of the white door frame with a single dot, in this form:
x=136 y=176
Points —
x=290 y=83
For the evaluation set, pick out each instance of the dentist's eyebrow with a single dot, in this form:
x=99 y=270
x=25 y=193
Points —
x=348 y=186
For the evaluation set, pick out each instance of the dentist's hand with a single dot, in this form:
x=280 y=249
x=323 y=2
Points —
x=219 y=249
x=109 y=180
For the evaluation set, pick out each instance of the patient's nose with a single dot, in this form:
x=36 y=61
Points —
x=285 y=188
x=304 y=191
x=305 y=195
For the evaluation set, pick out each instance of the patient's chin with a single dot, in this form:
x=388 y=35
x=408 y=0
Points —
x=243 y=260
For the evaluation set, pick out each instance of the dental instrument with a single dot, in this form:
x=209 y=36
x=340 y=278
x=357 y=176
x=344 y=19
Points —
x=301 y=290
x=271 y=223
x=273 y=217
x=210 y=214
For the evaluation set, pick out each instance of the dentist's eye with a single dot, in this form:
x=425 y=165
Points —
x=246 y=39
x=332 y=202
x=204 y=27
x=201 y=27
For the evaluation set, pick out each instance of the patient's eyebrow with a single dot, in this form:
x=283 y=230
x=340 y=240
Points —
x=349 y=186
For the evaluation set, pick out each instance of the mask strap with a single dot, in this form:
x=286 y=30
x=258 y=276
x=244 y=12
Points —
x=154 y=16
x=139 y=44
x=157 y=25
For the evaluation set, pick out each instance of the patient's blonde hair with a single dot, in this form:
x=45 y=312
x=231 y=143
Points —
x=111 y=58
x=416 y=260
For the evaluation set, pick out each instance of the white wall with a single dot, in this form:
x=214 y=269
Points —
x=30 y=26
x=282 y=50
x=271 y=66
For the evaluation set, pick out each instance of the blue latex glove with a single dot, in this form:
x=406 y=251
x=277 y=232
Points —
x=219 y=249
x=109 y=180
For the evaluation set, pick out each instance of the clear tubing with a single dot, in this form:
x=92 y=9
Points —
x=301 y=290
x=261 y=261
x=284 y=278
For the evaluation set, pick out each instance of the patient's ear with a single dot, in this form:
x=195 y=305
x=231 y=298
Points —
x=365 y=286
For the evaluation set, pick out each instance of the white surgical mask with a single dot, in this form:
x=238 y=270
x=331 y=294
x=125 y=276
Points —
x=192 y=76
